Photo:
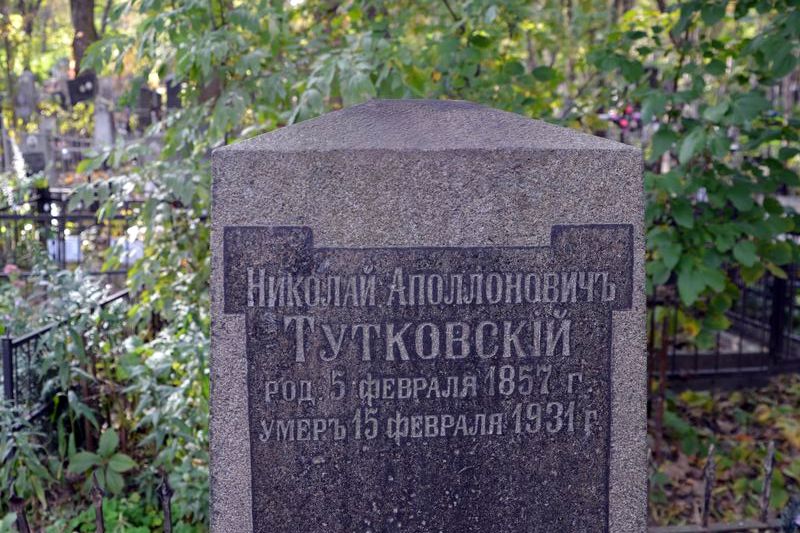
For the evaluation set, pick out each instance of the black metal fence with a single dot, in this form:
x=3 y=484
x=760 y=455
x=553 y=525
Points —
x=764 y=522
x=21 y=376
x=70 y=237
x=67 y=151
x=164 y=493
x=763 y=337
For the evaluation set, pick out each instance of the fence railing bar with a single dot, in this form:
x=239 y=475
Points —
x=785 y=367
x=710 y=477
x=737 y=527
x=722 y=371
x=674 y=331
x=17 y=506
x=662 y=385
x=8 y=368
x=769 y=465
x=75 y=217
x=22 y=339
x=88 y=273
x=97 y=499
x=165 y=493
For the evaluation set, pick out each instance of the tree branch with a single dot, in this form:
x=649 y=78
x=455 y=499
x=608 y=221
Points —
x=104 y=21
x=450 y=9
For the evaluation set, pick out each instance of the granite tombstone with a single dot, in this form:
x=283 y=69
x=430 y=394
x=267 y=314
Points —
x=34 y=148
x=27 y=97
x=148 y=108
x=427 y=316
x=174 y=88
x=104 y=127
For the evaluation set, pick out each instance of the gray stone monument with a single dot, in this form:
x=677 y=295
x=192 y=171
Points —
x=27 y=98
x=428 y=316
x=104 y=128
x=35 y=152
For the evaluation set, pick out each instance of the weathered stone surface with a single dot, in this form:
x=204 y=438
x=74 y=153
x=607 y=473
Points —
x=428 y=316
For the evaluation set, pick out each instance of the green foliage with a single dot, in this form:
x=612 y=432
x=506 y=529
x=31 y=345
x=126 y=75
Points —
x=107 y=465
x=128 y=514
x=7 y=521
x=720 y=149
x=23 y=472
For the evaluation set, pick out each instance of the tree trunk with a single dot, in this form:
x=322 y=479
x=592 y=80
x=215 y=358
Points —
x=85 y=32
x=9 y=61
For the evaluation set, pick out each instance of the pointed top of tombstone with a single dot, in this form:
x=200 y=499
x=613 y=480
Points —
x=425 y=125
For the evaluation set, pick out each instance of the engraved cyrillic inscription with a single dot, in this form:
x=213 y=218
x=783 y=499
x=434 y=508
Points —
x=455 y=366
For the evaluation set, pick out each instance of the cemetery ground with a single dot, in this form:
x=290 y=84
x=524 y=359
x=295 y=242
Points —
x=740 y=423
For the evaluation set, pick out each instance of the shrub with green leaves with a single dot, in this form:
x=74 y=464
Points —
x=106 y=465
x=23 y=471
x=720 y=143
